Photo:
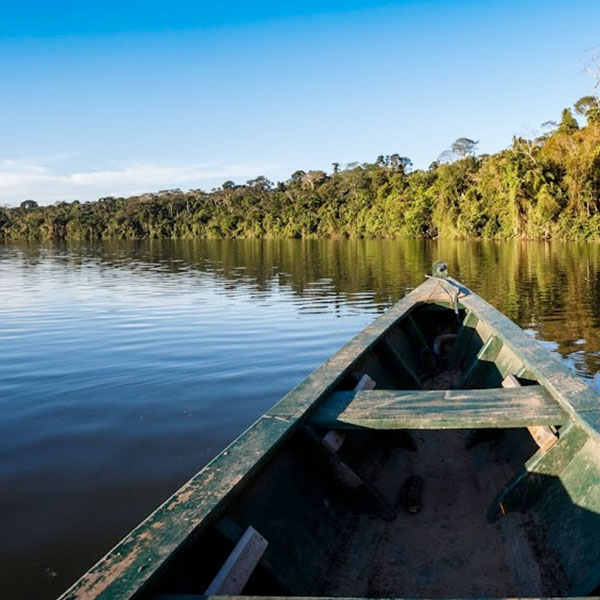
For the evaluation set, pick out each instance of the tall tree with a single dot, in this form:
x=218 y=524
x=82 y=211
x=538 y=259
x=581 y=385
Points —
x=463 y=147
x=568 y=123
x=588 y=107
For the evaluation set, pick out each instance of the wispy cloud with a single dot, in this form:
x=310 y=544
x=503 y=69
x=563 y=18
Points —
x=30 y=179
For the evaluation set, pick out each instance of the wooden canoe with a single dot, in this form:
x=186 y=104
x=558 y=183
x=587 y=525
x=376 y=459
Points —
x=442 y=453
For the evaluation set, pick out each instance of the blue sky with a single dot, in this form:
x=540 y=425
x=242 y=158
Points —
x=104 y=98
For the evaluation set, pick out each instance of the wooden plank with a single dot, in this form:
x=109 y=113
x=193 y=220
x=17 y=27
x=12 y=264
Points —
x=510 y=381
x=481 y=363
x=538 y=474
x=463 y=340
x=231 y=529
x=334 y=438
x=402 y=348
x=507 y=362
x=341 y=474
x=439 y=409
x=401 y=360
x=237 y=569
x=415 y=331
x=544 y=437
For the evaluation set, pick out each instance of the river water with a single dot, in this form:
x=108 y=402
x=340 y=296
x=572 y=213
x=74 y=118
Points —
x=126 y=366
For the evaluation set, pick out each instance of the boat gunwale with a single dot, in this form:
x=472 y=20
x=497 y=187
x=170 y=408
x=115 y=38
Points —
x=131 y=565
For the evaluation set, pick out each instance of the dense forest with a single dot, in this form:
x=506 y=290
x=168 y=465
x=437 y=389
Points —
x=544 y=186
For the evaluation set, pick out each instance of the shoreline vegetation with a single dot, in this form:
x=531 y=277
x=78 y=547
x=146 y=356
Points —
x=544 y=187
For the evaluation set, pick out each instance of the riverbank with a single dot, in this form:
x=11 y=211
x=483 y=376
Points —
x=547 y=187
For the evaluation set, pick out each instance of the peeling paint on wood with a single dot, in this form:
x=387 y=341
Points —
x=443 y=409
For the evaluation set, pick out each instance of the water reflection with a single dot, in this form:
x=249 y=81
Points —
x=550 y=288
x=127 y=366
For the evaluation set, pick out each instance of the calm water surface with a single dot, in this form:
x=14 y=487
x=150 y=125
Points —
x=126 y=367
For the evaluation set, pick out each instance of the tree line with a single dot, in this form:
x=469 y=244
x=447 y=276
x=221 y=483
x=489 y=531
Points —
x=543 y=186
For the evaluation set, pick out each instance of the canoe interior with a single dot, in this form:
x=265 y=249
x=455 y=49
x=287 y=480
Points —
x=496 y=516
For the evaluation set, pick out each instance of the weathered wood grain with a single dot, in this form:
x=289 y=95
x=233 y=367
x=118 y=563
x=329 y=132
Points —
x=339 y=472
x=231 y=529
x=334 y=438
x=401 y=359
x=237 y=569
x=484 y=359
x=443 y=409
x=463 y=340
x=544 y=437
x=537 y=475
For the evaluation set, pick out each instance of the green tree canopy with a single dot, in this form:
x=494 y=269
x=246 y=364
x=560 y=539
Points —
x=568 y=123
x=588 y=107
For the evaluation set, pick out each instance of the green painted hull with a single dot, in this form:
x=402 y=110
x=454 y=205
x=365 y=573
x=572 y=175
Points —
x=494 y=514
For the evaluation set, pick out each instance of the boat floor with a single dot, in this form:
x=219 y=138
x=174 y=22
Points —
x=448 y=549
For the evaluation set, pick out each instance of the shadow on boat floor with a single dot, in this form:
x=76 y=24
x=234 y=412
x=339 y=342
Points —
x=447 y=549
x=323 y=541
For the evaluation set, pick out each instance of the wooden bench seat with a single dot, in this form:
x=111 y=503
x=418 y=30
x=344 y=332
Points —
x=443 y=409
